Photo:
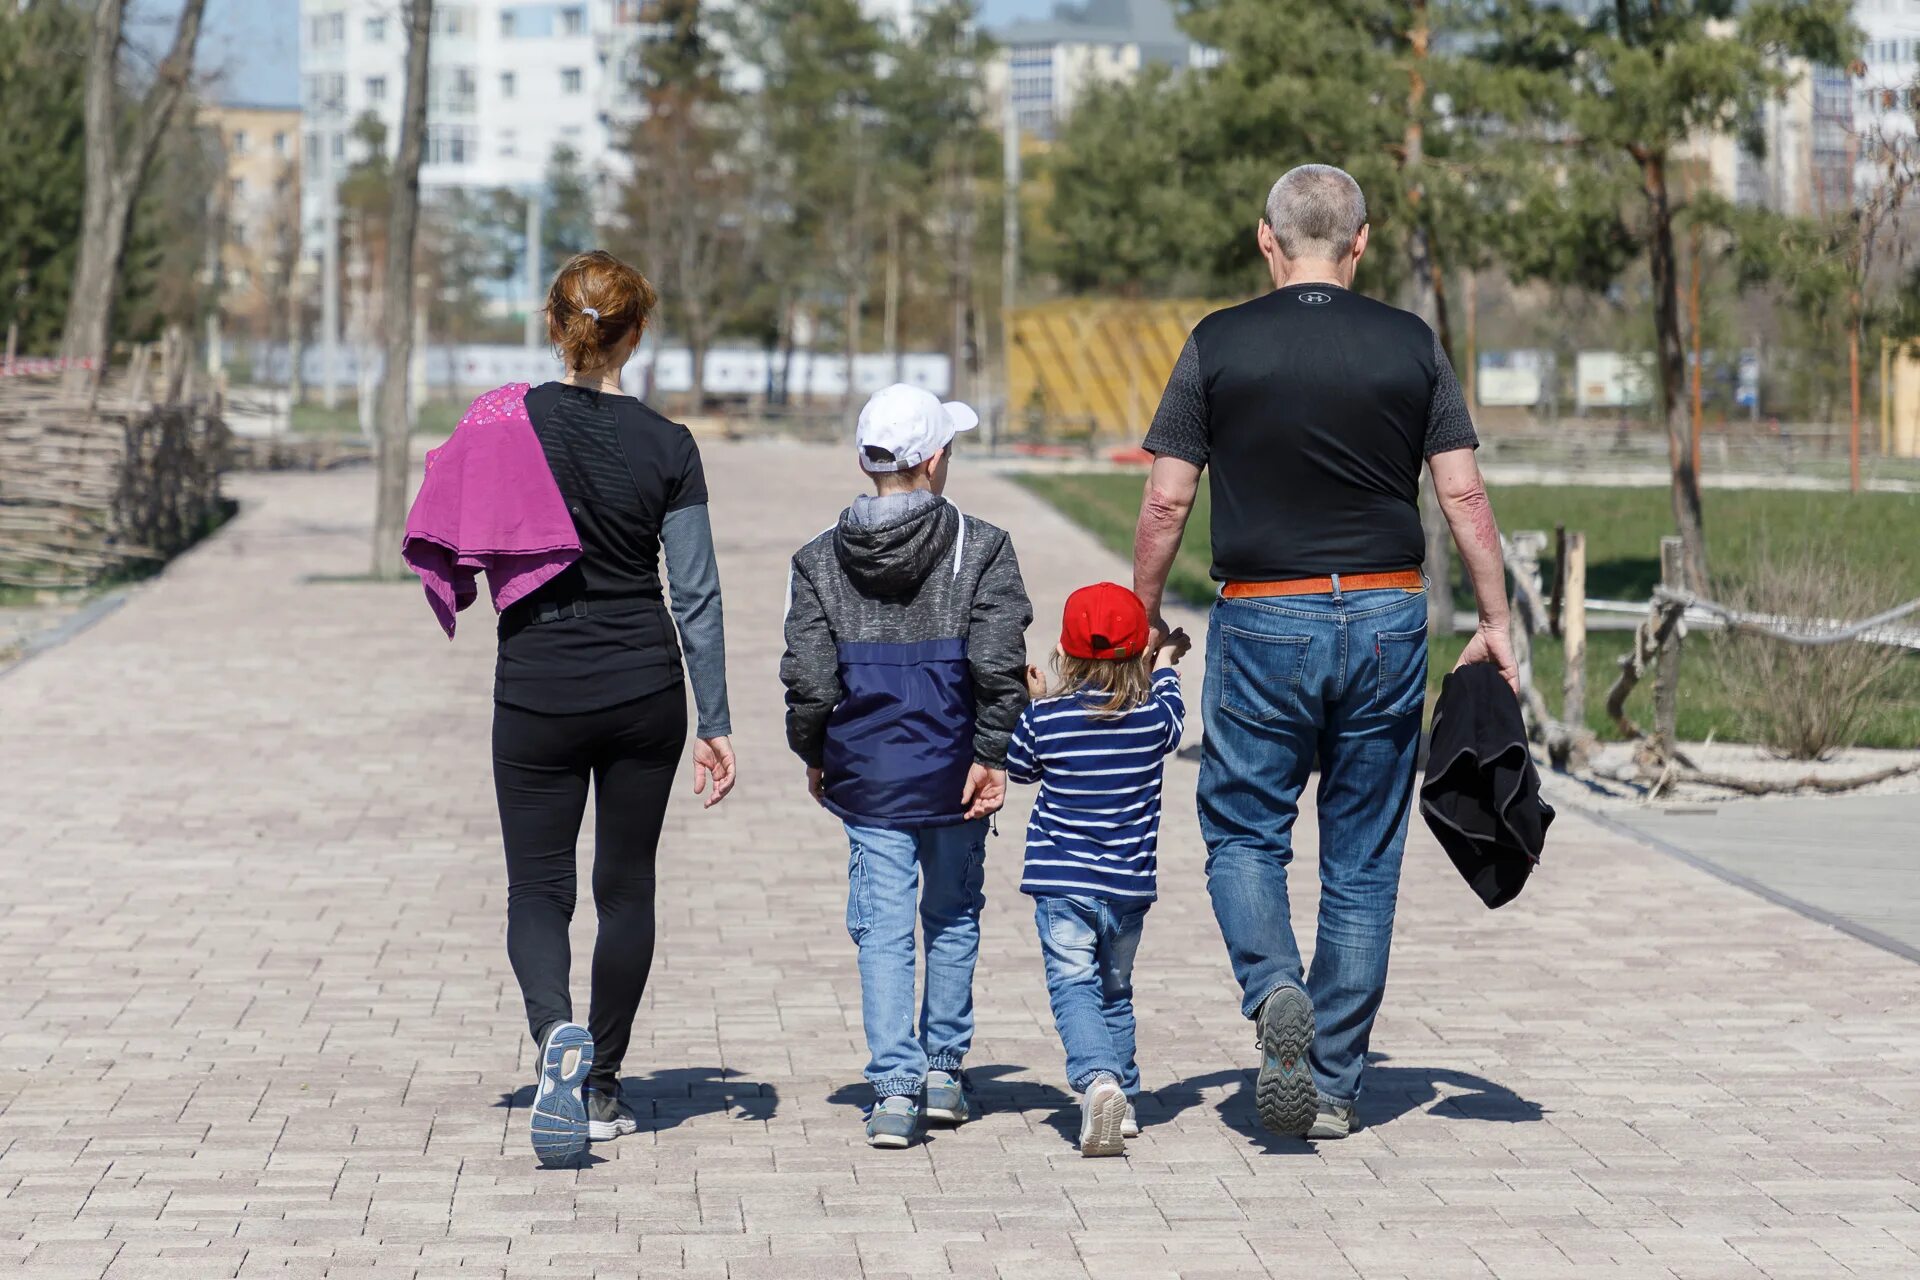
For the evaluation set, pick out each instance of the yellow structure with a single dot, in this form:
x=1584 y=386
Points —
x=1900 y=411
x=1095 y=367
x=260 y=205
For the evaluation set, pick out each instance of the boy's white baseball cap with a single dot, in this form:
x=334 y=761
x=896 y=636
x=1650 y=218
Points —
x=910 y=423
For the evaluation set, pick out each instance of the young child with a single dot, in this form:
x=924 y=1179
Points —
x=904 y=669
x=1096 y=745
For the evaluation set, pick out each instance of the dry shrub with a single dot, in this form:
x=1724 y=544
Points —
x=1802 y=701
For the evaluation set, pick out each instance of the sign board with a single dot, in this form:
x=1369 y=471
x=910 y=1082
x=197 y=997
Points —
x=1512 y=378
x=1746 y=387
x=1612 y=379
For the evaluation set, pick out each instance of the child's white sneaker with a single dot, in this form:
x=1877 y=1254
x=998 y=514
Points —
x=1103 y=1117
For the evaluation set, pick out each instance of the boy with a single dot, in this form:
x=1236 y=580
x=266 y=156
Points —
x=1096 y=745
x=904 y=671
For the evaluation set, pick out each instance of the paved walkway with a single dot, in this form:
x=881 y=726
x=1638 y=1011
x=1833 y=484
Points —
x=260 y=1021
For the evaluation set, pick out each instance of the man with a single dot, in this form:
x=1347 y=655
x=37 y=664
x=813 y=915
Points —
x=1313 y=407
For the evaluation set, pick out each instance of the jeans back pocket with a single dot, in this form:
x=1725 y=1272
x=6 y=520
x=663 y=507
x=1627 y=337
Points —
x=1261 y=674
x=1402 y=662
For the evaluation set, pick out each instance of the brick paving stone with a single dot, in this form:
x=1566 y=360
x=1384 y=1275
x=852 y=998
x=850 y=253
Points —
x=262 y=1024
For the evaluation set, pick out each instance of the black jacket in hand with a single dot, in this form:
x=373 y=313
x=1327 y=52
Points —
x=1482 y=793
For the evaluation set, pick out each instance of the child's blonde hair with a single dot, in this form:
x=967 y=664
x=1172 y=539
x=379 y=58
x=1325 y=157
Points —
x=1124 y=682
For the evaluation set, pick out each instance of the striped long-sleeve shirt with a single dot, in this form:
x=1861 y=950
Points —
x=1096 y=825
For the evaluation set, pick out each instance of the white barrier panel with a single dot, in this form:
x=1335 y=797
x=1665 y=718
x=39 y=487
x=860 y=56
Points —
x=730 y=371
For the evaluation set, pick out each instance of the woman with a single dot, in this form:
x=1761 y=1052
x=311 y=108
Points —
x=589 y=685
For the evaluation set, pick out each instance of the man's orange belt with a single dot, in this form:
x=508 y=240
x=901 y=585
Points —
x=1404 y=580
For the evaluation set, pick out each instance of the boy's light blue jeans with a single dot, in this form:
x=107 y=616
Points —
x=1089 y=945
x=885 y=869
x=1340 y=677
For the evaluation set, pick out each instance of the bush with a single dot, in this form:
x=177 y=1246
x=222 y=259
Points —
x=1804 y=701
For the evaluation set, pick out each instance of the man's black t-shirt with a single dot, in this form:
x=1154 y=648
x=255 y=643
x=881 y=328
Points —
x=1312 y=408
x=606 y=636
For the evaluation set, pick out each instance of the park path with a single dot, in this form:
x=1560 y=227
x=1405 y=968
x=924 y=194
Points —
x=259 y=1020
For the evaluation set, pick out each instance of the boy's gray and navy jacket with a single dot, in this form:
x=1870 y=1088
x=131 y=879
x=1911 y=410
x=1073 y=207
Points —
x=906 y=657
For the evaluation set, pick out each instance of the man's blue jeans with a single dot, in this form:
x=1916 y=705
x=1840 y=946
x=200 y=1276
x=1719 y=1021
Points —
x=884 y=895
x=1340 y=678
x=1089 y=945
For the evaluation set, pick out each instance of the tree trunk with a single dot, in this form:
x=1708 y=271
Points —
x=852 y=323
x=296 y=344
x=1687 y=515
x=892 y=314
x=1855 y=322
x=395 y=426
x=116 y=179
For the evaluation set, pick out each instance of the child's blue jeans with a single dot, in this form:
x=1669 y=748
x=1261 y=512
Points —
x=885 y=869
x=1089 y=944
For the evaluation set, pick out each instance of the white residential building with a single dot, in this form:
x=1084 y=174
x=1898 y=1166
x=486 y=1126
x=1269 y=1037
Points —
x=1887 y=95
x=1048 y=65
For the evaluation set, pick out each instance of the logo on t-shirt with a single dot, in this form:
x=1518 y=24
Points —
x=1315 y=298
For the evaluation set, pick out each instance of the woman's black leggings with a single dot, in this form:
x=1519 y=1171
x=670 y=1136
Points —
x=541 y=765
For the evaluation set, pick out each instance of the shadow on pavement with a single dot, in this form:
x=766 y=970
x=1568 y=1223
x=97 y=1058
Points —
x=671 y=1097
x=1391 y=1092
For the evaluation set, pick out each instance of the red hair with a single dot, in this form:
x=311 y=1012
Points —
x=596 y=282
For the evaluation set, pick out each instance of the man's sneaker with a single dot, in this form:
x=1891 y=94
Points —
x=1333 y=1122
x=609 y=1116
x=1103 y=1115
x=1284 y=1094
x=947 y=1099
x=1130 y=1127
x=557 y=1121
x=891 y=1122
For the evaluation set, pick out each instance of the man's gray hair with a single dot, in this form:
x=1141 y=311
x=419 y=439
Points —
x=1315 y=211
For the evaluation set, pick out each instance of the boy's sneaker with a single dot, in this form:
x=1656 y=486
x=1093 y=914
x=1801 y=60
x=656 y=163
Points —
x=947 y=1099
x=609 y=1116
x=1285 y=1094
x=557 y=1121
x=1334 y=1121
x=1103 y=1115
x=891 y=1122
x=1130 y=1127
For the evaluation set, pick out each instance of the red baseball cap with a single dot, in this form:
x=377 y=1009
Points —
x=1104 y=621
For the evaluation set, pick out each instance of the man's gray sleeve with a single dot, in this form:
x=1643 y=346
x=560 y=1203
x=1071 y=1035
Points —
x=693 y=582
x=810 y=668
x=1449 y=424
x=997 y=655
x=1180 y=423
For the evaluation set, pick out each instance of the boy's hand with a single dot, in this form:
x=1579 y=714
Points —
x=986 y=791
x=1173 y=647
x=713 y=759
x=816 y=784
x=1036 y=682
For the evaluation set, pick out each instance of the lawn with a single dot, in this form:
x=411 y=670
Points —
x=437 y=419
x=1881 y=532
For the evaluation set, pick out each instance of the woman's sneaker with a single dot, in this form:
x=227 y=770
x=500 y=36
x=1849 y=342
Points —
x=1285 y=1094
x=891 y=1122
x=1130 y=1127
x=557 y=1121
x=1103 y=1116
x=609 y=1116
x=947 y=1099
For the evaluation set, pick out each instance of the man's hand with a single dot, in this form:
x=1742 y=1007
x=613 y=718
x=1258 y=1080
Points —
x=986 y=791
x=713 y=759
x=1036 y=682
x=817 y=784
x=1490 y=644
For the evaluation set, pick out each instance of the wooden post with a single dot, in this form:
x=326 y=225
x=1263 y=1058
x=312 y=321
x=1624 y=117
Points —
x=1666 y=689
x=1574 y=625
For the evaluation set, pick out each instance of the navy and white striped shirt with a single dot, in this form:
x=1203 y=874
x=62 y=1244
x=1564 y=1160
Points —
x=1096 y=825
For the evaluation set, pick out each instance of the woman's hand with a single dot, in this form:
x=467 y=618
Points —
x=713 y=759
x=817 y=784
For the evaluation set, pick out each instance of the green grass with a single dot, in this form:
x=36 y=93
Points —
x=437 y=418
x=1880 y=532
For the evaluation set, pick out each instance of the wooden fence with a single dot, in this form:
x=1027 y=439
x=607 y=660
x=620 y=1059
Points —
x=86 y=489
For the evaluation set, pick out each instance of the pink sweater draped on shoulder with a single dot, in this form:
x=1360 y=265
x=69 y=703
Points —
x=489 y=503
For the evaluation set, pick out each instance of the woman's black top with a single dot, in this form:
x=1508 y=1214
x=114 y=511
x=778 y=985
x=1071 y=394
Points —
x=599 y=633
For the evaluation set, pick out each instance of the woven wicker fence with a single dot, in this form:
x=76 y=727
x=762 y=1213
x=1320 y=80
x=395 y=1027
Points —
x=86 y=491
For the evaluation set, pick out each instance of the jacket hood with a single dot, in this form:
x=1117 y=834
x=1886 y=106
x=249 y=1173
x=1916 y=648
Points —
x=893 y=554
